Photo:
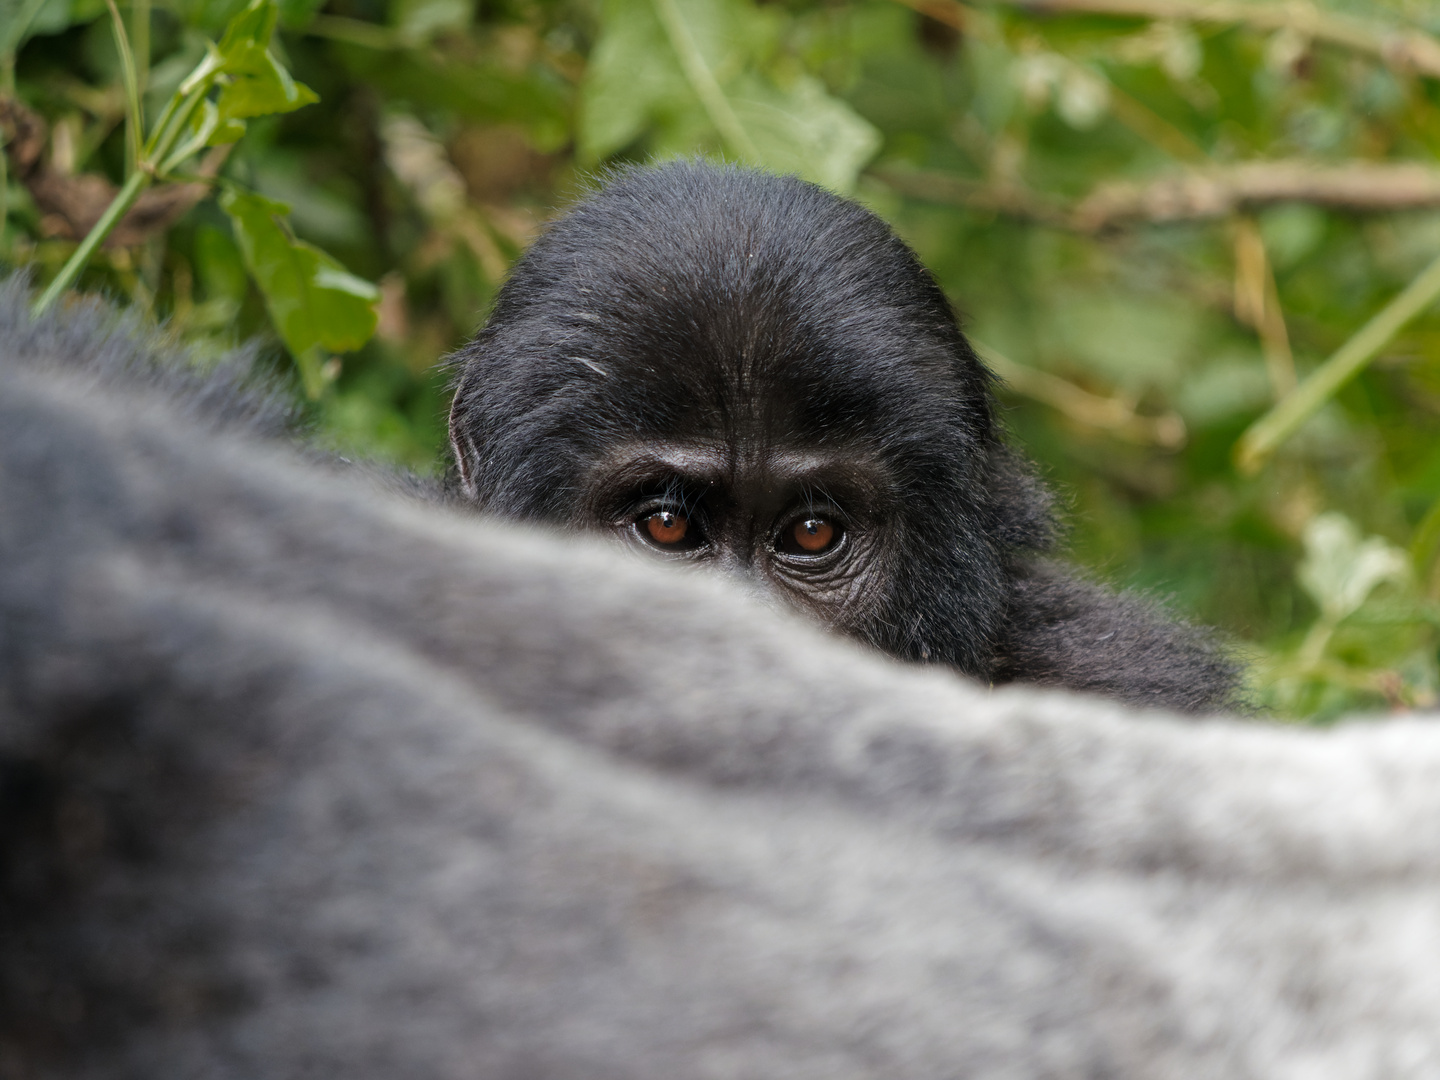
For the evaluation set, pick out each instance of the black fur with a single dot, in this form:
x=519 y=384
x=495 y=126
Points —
x=694 y=305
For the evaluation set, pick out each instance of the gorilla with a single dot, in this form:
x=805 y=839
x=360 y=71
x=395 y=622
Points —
x=744 y=371
x=301 y=776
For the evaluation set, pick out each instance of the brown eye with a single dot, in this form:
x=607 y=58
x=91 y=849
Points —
x=667 y=528
x=814 y=535
x=810 y=536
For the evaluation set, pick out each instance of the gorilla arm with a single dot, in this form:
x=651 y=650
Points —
x=1063 y=631
x=303 y=778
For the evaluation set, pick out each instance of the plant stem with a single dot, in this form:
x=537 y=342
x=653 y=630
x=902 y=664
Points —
x=134 y=119
x=313 y=380
x=140 y=40
x=1092 y=410
x=1312 y=649
x=1272 y=429
x=139 y=180
x=164 y=137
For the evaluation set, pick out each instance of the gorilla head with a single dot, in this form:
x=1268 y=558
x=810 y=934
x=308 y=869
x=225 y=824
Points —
x=744 y=370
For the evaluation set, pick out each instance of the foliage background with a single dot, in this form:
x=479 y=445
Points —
x=1049 y=161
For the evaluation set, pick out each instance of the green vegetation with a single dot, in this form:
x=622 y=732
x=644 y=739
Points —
x=1200 y=239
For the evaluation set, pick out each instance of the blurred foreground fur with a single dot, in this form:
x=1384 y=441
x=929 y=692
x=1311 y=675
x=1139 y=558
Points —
x=299 y=777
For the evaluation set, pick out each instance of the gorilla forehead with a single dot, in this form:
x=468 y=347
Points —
x=729 y=304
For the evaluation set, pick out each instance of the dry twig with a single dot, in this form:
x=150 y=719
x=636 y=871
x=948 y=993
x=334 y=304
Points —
x=1192 y=195
x=1111 y=414
x=937 y=187
x=1221 y=191
x=1404 y=49
x=1257 y=302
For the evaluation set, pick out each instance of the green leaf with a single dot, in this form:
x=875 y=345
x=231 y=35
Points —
x=265 y=89
x=632 y=79
x=420 y=20
x=1341 y=569
x=1131 y=342
x=483 y=92
x=23 y=19
x=687 y=81
x=806 y=131
x=219 y=265
x=251 y=28
x=313 y=301
x=1230 y=382
x=295 y=14
x=253 y=82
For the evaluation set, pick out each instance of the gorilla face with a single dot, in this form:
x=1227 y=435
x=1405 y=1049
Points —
x=814 y=525
x=744 y=371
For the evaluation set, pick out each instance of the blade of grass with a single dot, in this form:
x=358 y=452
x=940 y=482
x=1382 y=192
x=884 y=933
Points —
x=134 y=118
x=1264 y=436
x=140 y=42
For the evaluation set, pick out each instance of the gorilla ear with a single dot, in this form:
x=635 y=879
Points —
x=462 y=448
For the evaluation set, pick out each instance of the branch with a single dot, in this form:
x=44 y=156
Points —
x=1404 y=49
x=1007 y=201
x=950 y=12
x=1219 y=192
x=1092 y=410
x=1193 y=195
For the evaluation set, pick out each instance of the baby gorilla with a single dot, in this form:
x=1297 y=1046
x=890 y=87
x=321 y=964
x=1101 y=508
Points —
x=745 y=371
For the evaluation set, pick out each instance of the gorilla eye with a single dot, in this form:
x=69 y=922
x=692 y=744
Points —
x=665 y=528
x=810 y=536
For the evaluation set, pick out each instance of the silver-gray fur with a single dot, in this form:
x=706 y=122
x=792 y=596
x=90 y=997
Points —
x=302 y=777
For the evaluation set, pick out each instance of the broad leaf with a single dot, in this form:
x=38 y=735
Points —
x=252 y=82
x=631 y=80
x=420 y=20
x=22 y=19
x=313 y=301
x=806 y=131
x=1341 y=569
x=487 y=93
x=636 y=84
